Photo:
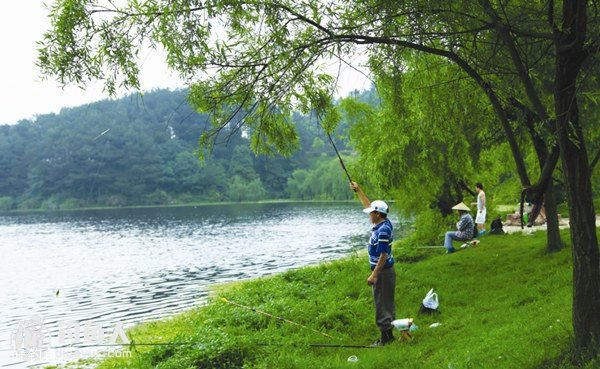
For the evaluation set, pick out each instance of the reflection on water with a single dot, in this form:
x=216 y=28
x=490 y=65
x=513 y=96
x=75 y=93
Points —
x=133 y=265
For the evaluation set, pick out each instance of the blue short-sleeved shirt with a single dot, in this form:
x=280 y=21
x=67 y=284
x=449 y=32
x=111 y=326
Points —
x=381 y=242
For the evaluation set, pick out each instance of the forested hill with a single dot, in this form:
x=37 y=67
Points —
x=143 y=151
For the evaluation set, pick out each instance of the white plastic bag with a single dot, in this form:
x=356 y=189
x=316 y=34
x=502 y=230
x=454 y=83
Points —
x=431 y=300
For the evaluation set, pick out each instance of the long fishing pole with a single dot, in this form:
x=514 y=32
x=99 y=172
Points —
x=273 y=316
x=339 y=157
x=134 y=344
x=335 y=148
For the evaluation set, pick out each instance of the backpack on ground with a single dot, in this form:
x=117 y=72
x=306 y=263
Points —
x=496 y=226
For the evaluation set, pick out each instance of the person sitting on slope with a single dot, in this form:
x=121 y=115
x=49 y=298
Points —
x=465 y=227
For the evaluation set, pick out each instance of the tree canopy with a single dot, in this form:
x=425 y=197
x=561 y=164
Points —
x=142 y=150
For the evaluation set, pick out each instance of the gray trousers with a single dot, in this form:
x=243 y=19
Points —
x=383 y=294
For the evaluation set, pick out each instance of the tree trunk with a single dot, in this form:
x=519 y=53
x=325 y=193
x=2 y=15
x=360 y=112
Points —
x=586 y=260
x=554 y=243
x=553 y=240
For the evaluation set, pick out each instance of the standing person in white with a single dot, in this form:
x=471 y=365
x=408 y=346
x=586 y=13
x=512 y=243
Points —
x=481 y=209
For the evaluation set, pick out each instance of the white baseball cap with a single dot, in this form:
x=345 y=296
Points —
x=378 y=206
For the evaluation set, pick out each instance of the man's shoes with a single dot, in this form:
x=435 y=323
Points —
x=386 y=337
x=450 y=251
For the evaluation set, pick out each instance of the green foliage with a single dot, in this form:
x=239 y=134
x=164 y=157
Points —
x=70 y=203
x=241 y=189
x=6 y=203
x=28 y=203
x=424 y=141
x=429 y=228
x=325 y=180
x=158 y=197
x=143 y=152
x=251 y=65
x=52 y=203
x=505 y=303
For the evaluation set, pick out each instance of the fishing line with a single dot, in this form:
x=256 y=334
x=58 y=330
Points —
x=273 y=316
x=105 y=145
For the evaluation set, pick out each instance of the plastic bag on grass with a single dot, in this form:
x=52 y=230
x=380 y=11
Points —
x=430 y=303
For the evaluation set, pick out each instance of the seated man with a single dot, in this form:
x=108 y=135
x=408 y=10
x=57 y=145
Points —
x=465 y=227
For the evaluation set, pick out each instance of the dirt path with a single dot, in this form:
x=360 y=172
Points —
x=564 y=223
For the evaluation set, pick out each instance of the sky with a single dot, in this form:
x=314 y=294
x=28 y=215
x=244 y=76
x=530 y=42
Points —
x=25 y=94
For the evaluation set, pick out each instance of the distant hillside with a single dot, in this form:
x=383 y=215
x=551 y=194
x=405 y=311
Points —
x=142 y=151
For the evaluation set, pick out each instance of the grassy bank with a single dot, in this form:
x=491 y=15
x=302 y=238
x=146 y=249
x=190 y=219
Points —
x=504 y=304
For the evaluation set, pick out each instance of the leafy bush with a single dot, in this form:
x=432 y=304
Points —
x=52 y=203
x=429 y=228
x=243 y=190
x=158 y=197
x=6 y=203
x=71 y=203
x=28 y=203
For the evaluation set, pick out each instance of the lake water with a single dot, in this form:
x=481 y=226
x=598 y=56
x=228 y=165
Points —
x=94 y=269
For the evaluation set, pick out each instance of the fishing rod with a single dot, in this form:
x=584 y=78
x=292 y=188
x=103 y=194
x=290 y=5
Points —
x=339 y=157
x=273 y=316
x=133 y=344
x=322 y=345
x=335 y=148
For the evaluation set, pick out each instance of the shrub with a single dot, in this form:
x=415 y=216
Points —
x=70 y=203
x=158 y=197
x=6 y=203
x=52 y=203
x=28 y=203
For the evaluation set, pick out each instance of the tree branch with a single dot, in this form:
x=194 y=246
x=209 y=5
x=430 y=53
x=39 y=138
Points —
x=551 y=22
x=465 y=187
x=487 y=88
x=546 y=175
x=594 y=162
x=517 y=61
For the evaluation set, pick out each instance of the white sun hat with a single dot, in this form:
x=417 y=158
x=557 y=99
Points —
x=378 y=206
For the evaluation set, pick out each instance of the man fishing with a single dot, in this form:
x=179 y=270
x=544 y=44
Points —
x=382 y=277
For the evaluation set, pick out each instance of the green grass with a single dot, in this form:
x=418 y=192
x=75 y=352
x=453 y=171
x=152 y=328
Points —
x=504 y=304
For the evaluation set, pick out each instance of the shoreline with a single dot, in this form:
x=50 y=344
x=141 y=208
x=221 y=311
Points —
x=333 y=298
x=200 y=204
